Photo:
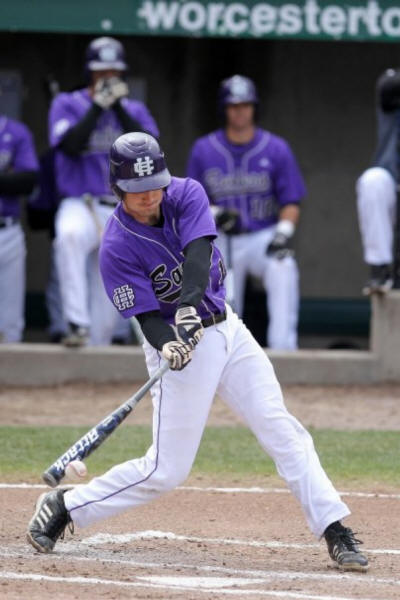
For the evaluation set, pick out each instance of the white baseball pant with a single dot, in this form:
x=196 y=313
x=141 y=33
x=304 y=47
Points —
x=280 y=280
x=227 y=361
x=76 y=245
x=12 y=283
x=376 y=203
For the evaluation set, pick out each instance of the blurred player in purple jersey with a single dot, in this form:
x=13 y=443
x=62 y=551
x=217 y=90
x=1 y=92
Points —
x=254 y=185
x=18 y=174
x=83 y=125
x=159 y=263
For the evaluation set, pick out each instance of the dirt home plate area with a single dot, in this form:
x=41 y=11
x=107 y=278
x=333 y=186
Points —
x=202 y=540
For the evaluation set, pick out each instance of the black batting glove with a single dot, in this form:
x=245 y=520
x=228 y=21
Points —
x=188 y=324
x=228 y=221
x=279 y=247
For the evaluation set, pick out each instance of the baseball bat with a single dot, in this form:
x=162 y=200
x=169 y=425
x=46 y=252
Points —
x=98 y=434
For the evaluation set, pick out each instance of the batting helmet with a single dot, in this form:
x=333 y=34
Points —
x=105 y=53
x=235 y=90
x=137 y=164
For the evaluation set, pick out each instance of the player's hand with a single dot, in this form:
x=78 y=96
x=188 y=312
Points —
x=102 y=95
x=108 y=91
x=228 y=220
x=118 y=88
x=279 y=247
x=188 y=325
x=177 y=354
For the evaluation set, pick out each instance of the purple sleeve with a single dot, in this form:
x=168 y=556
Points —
x=126 y=284
x=140 y=112
x=25 y=158
x=195 y=218
x=61 y=119
x=289 y=182
x=193 y=168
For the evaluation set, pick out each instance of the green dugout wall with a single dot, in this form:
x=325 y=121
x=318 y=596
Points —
x=315 y=64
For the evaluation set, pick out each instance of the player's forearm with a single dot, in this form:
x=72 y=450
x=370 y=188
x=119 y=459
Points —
x=196 y=272
x=76 y=138
x=17 y=182
x=128 y=123
x=156 y=331
x=290 y=212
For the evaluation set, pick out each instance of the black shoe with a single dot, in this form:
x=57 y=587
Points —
x=76 y=337
x=49 y=521
x=342 y=548
x=380 y=281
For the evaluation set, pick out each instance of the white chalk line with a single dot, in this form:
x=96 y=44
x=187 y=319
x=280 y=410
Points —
x=146 y=583
x=65 y=549
x=221 y=490
x=125 y=538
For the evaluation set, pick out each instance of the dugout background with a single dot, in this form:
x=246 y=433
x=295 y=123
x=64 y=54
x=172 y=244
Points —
x=318 y=95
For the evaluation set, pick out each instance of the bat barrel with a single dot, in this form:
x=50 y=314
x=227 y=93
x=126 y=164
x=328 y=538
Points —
x=96 y=436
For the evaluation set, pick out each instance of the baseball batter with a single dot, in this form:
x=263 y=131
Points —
x=376 y=187
x=255 y=186
x=83 y=125
x=159 y=262
x=18 y=174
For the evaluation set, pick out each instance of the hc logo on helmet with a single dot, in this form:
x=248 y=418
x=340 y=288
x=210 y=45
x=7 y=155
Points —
x=144 y=166
x=239 y=86
x=108 y=54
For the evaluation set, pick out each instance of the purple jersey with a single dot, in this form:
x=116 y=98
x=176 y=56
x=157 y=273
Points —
x=141 y=265
x=257 y=178
x=17 y=153
x=89 y=172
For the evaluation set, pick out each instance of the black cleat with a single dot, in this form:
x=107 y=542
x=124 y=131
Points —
x=49 y=521
x=342 y=548
x=76 y=337
x=380 y=281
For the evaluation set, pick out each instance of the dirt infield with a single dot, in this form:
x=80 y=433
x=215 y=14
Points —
x=244 y=544
x=196 y=543
x=336 y=407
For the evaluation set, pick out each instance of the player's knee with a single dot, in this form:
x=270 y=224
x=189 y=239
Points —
x=373 y=182
x=171 y=477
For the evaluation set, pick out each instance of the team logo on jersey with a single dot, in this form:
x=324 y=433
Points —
x=123 y=297
x=144 y=166
x=167 y=286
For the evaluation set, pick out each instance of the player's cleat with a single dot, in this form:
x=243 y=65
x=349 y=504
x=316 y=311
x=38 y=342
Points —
x=76 y=337
x=343 y=548
x=49 y=521
x=380 y=281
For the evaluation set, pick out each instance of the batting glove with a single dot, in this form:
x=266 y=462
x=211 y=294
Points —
x=188 y=325
x=178 y=354
x=118 y=88
x=279 y=247
x=102 y=95
x=108 y=91
x=228 y=220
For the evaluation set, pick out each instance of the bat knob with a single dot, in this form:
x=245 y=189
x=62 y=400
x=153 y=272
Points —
x=50 y=479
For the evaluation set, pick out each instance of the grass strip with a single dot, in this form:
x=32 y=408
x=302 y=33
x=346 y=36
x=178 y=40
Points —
x=366 y=457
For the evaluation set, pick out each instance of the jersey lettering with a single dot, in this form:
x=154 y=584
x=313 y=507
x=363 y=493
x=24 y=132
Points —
x=163 y=286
